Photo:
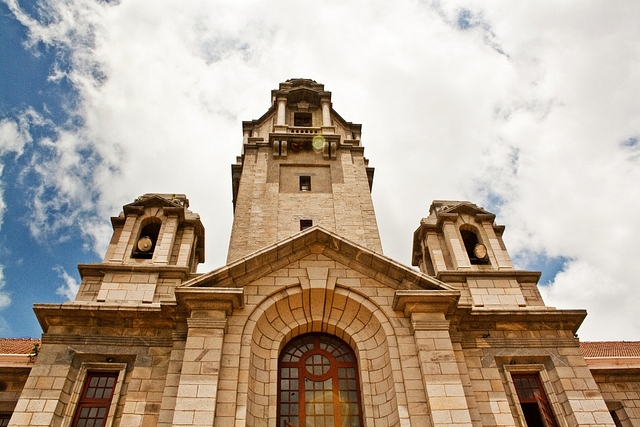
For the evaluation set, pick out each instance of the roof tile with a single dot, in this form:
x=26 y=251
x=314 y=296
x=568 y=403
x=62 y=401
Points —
x=610 y=348
x=17 y=345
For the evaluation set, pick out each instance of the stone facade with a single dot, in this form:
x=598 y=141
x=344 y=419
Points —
x=449 y=345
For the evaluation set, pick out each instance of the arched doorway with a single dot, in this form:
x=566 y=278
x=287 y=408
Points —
x=318 y=384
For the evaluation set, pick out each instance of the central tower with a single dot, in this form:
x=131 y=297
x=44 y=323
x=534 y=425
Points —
x=302 y=165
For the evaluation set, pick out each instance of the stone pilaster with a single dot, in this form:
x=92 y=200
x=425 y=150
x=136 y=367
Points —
x=437 y=257
x=502 y=259
x=206 y=327
x=165 y=243
x=196 y=399
x=123 y=240
x=441 y=377
x=456 y=248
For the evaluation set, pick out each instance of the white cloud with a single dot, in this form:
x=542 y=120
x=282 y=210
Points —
x=14 y=135
x=12 y=140
x=533 y=104
x=70 y=287
x=5 y=298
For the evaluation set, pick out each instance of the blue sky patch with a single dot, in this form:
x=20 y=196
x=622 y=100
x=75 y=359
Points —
x=550 y=266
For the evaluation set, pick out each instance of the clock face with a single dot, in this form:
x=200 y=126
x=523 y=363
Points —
x=145 y=244
x=480 y=251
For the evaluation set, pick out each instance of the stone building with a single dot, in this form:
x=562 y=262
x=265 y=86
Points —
x=308 y=323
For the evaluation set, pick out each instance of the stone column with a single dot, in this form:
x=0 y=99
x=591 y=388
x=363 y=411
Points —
x=326 y=112
x=282 y=106
x=440 y=375
x=327 y=127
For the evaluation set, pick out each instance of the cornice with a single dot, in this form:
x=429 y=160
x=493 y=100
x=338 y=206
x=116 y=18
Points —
x=100 y=269
x=522 y=276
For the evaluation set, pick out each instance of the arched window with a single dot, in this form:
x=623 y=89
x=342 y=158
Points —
x=318 y=383
x=146 y=243
x=476 y=251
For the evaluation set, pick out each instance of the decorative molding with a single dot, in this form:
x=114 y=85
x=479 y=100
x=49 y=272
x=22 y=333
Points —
x=425 y=301
x=433 y=325
x=107 y=341
x=518 y=342
x=224 y=299
x=205 y=323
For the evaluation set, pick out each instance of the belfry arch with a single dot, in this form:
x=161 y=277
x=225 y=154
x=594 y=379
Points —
x=347 y=315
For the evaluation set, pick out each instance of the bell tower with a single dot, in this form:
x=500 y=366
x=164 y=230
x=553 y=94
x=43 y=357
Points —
x=302 y=165
x=460 y=244
x=157 y=243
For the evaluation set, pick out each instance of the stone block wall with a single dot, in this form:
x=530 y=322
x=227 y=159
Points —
x=269 y=210
x=51 y=393
x=620 y=389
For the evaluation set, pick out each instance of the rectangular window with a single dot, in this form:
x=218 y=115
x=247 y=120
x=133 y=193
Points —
x=305 y=223
x=95 y=400
x=302 y=119
x=533 y=400
x=305 y=183
x=4 y=420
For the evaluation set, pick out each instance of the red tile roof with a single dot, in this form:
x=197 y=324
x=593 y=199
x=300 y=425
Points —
x=17 y=345
x=610 y=348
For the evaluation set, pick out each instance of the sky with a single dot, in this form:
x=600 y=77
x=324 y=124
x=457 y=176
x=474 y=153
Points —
x=530 y=109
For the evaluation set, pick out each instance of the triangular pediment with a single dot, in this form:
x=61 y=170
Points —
x=316 y=240
x=157 y=200
x=459 y=207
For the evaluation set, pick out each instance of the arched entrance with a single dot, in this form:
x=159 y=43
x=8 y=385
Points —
x=318 y=384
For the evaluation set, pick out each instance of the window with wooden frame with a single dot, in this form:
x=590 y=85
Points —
x=95 y=399
x=533 y=400
x=302 y=119
x=4 y=420
x=318 y=383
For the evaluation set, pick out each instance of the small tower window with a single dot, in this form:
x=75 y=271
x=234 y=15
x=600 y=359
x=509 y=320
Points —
x=146 y=243
x=302 y=119
x=305 y=223
x=305 y=183
x=476 y=251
